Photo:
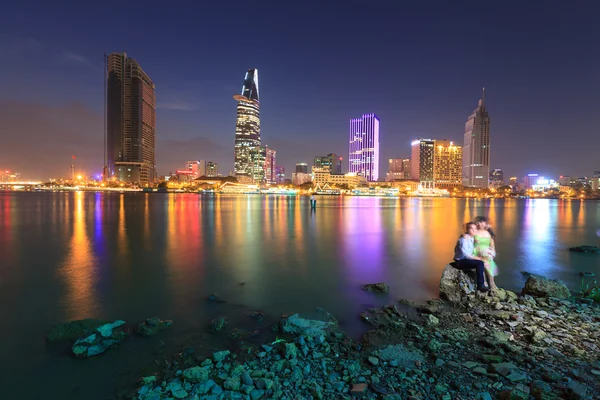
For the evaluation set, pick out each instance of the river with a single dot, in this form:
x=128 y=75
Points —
x=66 y=256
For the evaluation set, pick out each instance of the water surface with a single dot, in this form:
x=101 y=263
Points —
x=68 y=256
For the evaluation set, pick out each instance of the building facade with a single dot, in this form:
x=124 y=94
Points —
x=280 y=174
x=302 y=168
x=496 y=178
x=298 y=178
x=130 y=121
x=270 y=166
x=596 y=180
x=476 y=147
x=422 y=159
x=398 y=168
x=447 y=164
x=212 y=169
x=323 y=175
x=196 y=168
x=331 y=161
x=248 y=154
x=363 y=157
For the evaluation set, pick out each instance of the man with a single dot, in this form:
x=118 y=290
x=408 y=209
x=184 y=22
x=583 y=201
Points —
x=464 y=258
x=483 y=222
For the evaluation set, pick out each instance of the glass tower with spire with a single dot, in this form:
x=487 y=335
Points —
x=248 y=155
x=476 y=148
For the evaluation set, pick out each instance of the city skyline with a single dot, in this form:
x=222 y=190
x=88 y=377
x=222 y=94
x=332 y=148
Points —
x=539 y=74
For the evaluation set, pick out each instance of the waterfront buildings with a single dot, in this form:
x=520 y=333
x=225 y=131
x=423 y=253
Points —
x=298 y=178
x=447 y=164
x=130 y=121
x=302 y=168
x=331 y=161
x=496 y=178
x=476 y=147
x=212 y=169
x=596 y=180
x=322 y=176
x=363 y=157
x=196 y=168
x=421 y=160
x=248 y=154
x=270 y=171
x=529 y=180
x=280 y=174
x=398 y=168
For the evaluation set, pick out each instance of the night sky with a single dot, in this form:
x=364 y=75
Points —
x=419 y=66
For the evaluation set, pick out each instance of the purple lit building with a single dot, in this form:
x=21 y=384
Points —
x=364 y=147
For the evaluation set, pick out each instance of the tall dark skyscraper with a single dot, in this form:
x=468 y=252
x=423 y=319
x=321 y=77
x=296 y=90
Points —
x=130 y=121
x=249 y=157
x=476 y=148
x=331 y=161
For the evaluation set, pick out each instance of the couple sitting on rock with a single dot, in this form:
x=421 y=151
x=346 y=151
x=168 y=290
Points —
x=475 y=249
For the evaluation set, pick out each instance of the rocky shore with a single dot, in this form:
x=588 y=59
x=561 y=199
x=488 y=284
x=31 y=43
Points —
x=539 y=344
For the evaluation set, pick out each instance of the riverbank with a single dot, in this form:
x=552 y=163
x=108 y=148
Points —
x=473 y=347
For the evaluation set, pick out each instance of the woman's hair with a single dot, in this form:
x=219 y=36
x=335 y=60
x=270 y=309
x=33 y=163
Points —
x=469 y=224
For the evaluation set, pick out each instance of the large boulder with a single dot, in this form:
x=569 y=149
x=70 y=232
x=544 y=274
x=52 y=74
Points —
x=377 y=287
x=585 y=249
x=151 y=326
x=297 y=325
x=456 y=284
x=103 y=338
x=539 y=286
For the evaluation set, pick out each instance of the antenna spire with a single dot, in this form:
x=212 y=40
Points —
x=483 y=96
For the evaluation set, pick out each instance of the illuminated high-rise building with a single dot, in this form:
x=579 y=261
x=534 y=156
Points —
x=130 y=121
x=302 y=168
x=496 y=178
x=270 y=171
x=248 y=155
x=596 y=180
x=476 y=147
x=212 y=169
x=331 y=161
x=422 y=159
x=196 y=168
x=447 y=164
x=363 y=157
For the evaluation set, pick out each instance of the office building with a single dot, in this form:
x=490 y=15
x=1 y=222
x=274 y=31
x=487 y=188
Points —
x=331 y=161
x=130 y=121
x=447 y=164
x=406 y=168
x=302 y=168
x=422 y=159
x=248 y=155
x=596 y=180
x=269 y=163
x=476 y=147
x=398 y=168
x=212 y=169
x=322 y=176
x=496 y=178
x=363 y=157
x=529 y=180
x=298 y=178
x=196 y=168
x=280 y=174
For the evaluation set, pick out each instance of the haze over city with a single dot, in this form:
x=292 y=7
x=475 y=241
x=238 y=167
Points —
x=420 y=68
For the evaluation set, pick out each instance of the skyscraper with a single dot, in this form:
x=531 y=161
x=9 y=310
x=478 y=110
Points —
x=331 y=161
x=422 y=159
x=248 y=158
x=476 y=147
x=270 y=173
x=447 y=164
x=364 y=147
x=302 y=168
x=497 y=178
x=212 y=169
x=130 y=121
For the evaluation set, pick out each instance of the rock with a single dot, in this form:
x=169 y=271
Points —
x=540 y=286
x=377 y=287
x=373 y=360
x=484 y=396
x=431 y=320
x=217 y=324
x=359 y=387
x=220 y=355
x=103 y=338
x=519 y=392
x=152 y=326
x=517 y=377
x=400 y=355
x=290 y=351
x=257 y=315
x=196 y=374
x=456 y=284
x=74 y=329
x=585 y=249
x=296 y=325
x=577 y=390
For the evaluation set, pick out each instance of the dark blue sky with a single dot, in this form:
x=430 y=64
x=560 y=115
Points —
x=419 y=66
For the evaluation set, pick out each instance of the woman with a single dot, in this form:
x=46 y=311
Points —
x=485 y=248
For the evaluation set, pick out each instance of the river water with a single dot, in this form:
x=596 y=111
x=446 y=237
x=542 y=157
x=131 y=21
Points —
x=66 y=256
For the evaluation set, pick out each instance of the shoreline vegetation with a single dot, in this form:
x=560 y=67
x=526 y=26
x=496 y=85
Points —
x=539 y=344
